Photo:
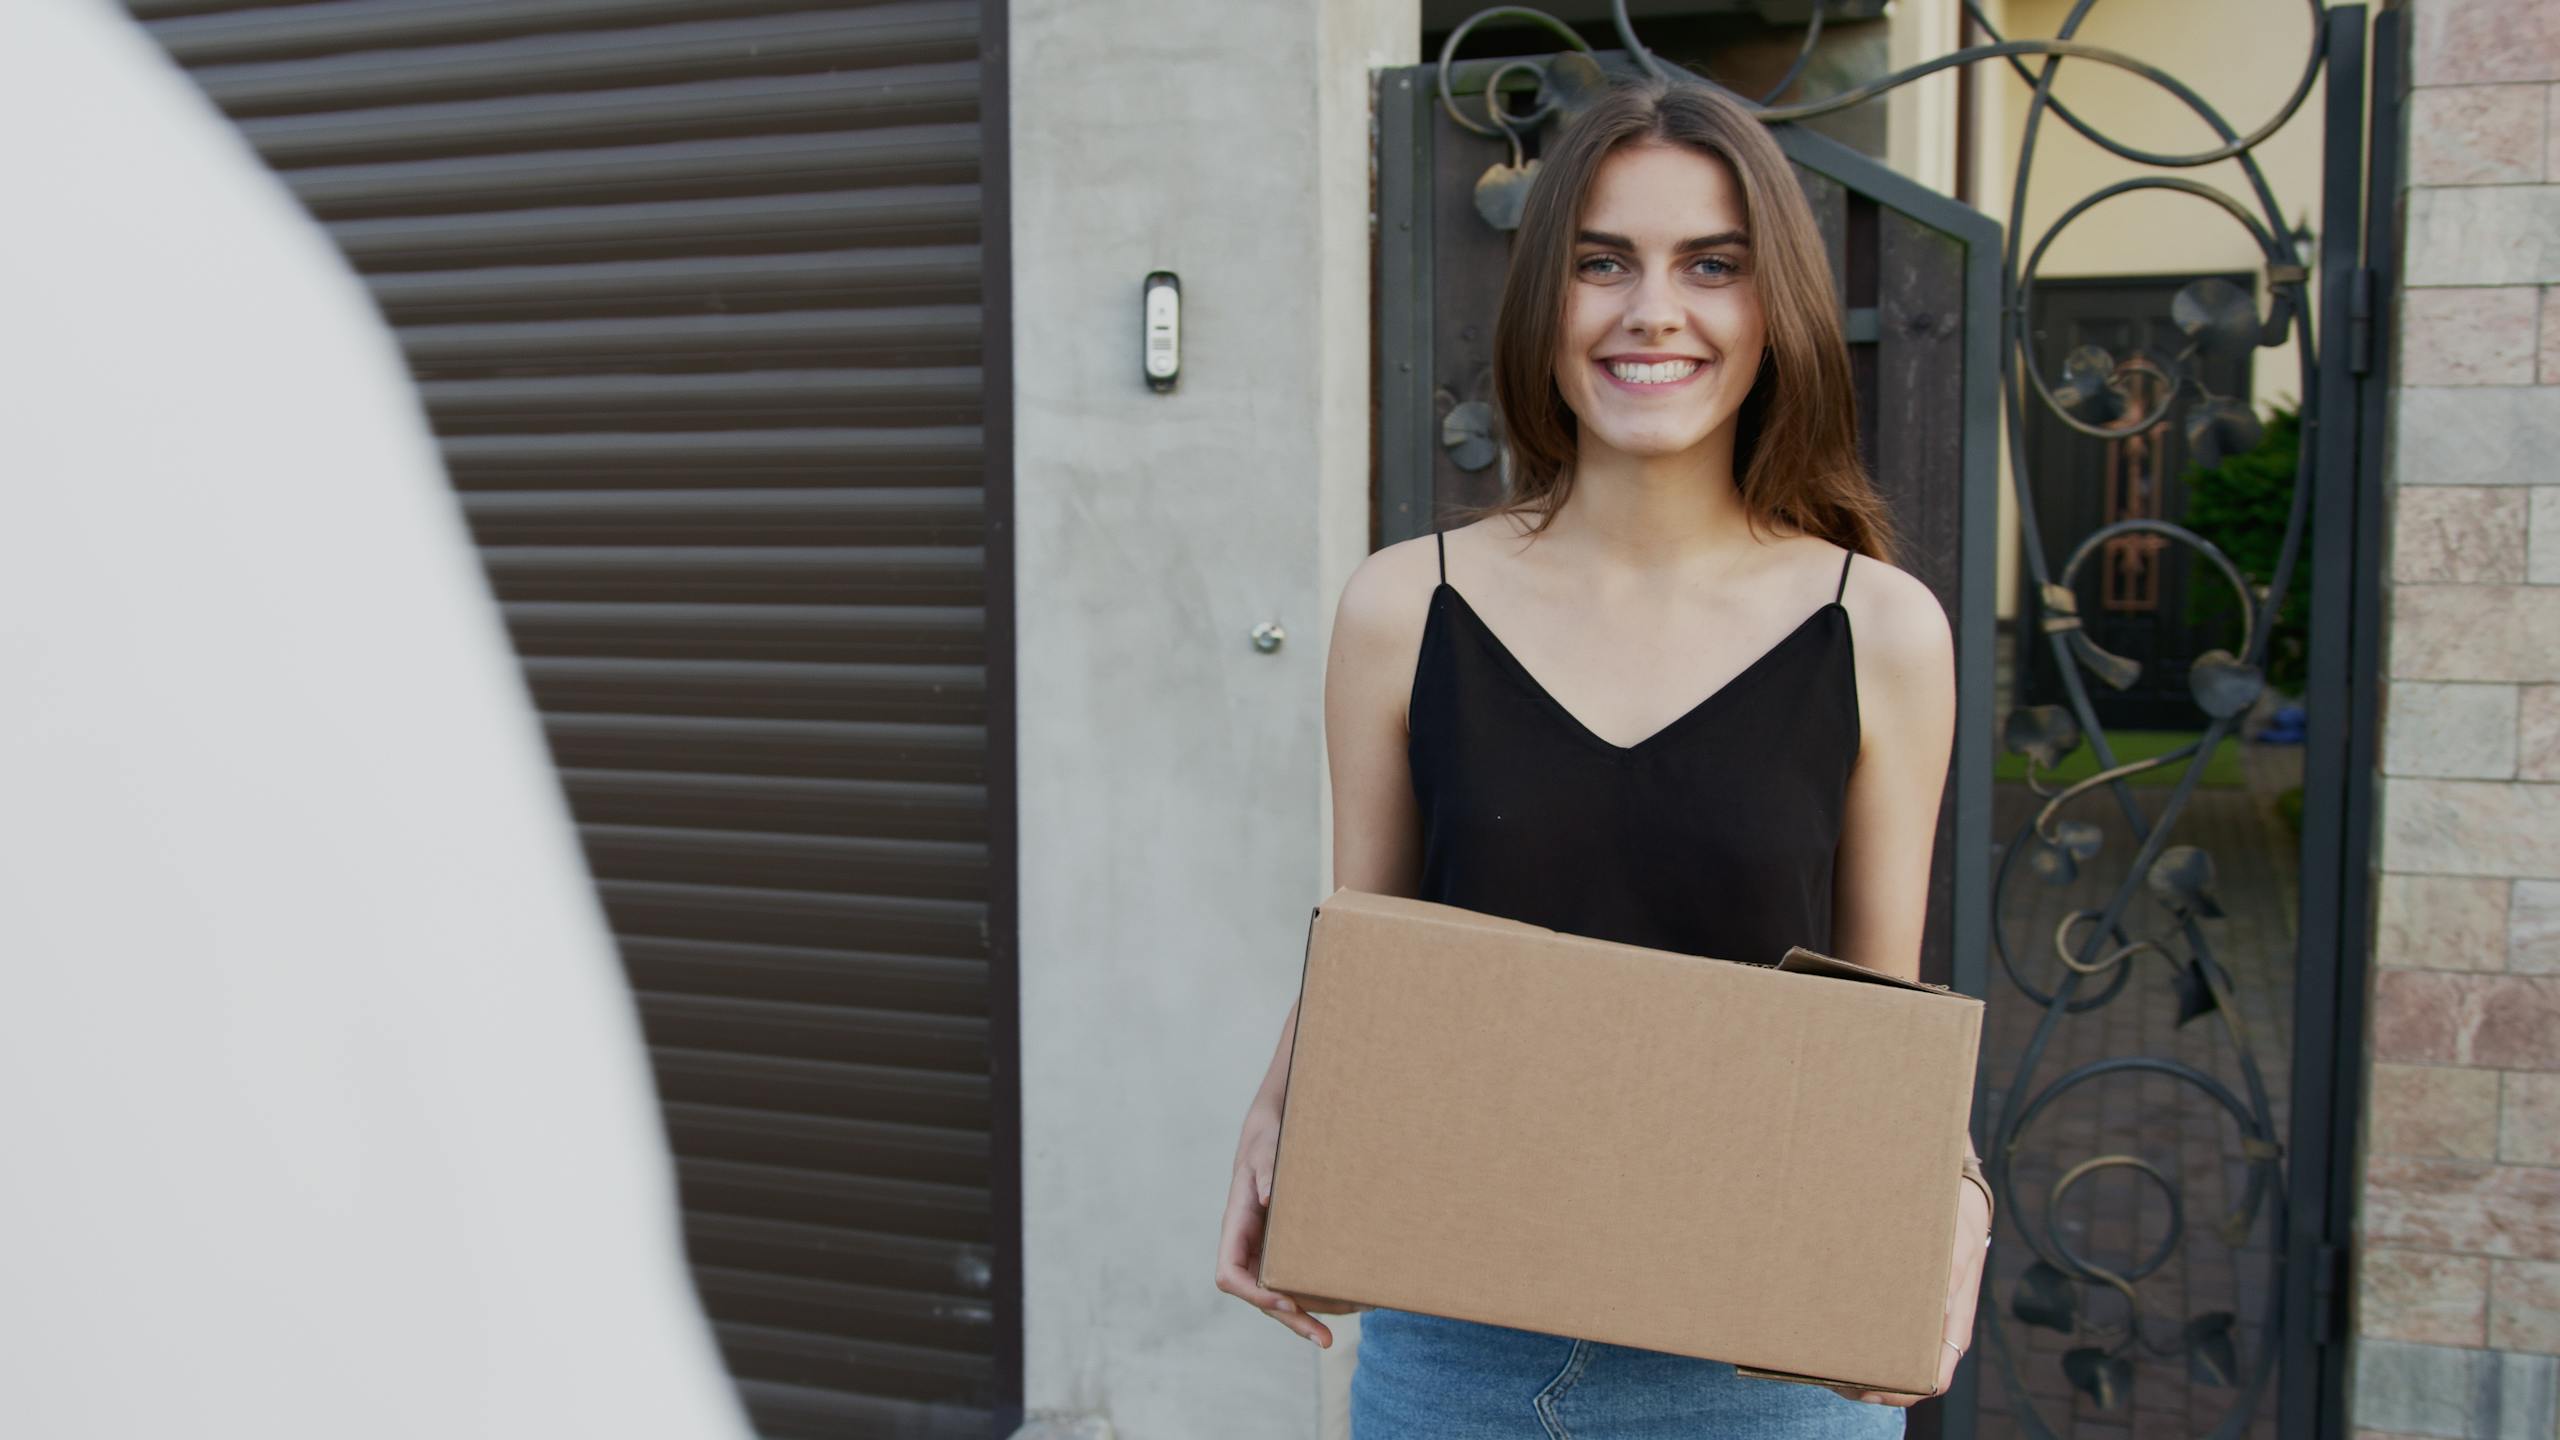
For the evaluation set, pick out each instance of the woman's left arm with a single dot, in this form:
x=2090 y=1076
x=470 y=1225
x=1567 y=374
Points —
x=1906 y=670
x=1905 y=666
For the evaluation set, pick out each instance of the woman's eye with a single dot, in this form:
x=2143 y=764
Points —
x=1715 y=265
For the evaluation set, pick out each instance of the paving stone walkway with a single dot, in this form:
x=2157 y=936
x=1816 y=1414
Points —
x=2118 y=1216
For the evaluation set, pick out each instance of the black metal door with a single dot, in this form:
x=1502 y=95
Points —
x=698 y=297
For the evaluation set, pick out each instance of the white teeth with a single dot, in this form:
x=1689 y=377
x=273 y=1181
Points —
x=1662 y=373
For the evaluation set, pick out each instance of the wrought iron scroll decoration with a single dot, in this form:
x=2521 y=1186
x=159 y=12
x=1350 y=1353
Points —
x=2097 y=950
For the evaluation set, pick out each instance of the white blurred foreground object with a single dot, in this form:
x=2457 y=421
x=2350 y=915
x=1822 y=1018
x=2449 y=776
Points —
x=323 y=1107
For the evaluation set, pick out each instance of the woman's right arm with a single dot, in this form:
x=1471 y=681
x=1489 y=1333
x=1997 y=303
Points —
x=1377 y=846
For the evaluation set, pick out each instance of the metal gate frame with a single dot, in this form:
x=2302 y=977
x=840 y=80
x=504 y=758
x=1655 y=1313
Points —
x=2343 y=695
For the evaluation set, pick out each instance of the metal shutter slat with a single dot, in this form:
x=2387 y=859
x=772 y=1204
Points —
x=793 y=917
x=793 y=448
x=927 y=335
x=799 y=862
x=828 y=279
x=318 y=29
x=856 y=1146
x=791 y=1085
x=932 y=516
x=853 y=1257
x=796 y=399
x=681 y=169
x=876 y=634
x=777 y=573
x=867 y=1312
x=818 y=1357
x=854 y=99
x=852 y=1202
x=788 y=43
x=889 y=215
x=822 y=750
x=782 y=688
x=862 y=979
x=810 y=805
x=724 y=1024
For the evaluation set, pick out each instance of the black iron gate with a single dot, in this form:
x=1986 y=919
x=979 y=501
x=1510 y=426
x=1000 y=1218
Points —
x=2168 y=1078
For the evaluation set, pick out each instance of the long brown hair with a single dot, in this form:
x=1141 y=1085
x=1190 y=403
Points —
x=1795 y=455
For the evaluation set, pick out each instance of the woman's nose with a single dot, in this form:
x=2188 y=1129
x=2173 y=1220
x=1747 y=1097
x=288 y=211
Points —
x=1652 y=307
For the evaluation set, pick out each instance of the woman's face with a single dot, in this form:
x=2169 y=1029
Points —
x=1662 y=323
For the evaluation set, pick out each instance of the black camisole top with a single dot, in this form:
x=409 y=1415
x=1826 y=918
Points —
x=1714 y=835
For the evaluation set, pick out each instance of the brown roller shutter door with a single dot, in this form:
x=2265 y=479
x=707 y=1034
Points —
x=705 y=303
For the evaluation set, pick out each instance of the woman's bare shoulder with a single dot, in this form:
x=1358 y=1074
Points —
x=1377 y=631
x=1897 y=619
x=1389 y=591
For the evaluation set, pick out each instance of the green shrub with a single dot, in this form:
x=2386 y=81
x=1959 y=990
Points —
x=2240 y=506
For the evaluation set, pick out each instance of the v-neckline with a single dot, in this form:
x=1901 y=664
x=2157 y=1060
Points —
x=1676 y=722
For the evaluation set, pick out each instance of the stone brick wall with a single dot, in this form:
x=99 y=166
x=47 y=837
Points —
x=2458 y=1291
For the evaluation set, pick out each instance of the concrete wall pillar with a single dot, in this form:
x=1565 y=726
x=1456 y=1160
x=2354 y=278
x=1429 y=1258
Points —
x=1173 y=793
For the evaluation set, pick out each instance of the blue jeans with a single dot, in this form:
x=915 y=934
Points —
x=1423 y=1377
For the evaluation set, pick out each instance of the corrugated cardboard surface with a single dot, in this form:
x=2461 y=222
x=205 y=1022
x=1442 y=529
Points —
x=1497 y=1122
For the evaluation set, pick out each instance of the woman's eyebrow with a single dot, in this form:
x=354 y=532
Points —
x=1694 y=242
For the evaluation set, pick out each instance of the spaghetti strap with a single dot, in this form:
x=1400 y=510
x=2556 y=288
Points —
x=1844 y=576
x=1440 y=537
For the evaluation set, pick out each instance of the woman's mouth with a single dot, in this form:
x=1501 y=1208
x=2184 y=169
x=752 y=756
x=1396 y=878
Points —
x=1655 y=375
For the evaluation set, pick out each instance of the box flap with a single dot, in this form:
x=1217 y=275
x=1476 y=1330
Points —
x=1345 y=900
x=1798 y=959
x=1801 y=961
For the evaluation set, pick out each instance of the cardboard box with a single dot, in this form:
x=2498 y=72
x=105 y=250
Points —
x=1498 y=1122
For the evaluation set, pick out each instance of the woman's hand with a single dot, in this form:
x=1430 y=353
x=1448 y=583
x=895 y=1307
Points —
x=1240 y=1239
x=1964 y=1287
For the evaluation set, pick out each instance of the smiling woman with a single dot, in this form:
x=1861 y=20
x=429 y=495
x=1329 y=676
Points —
x=1653 y=696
